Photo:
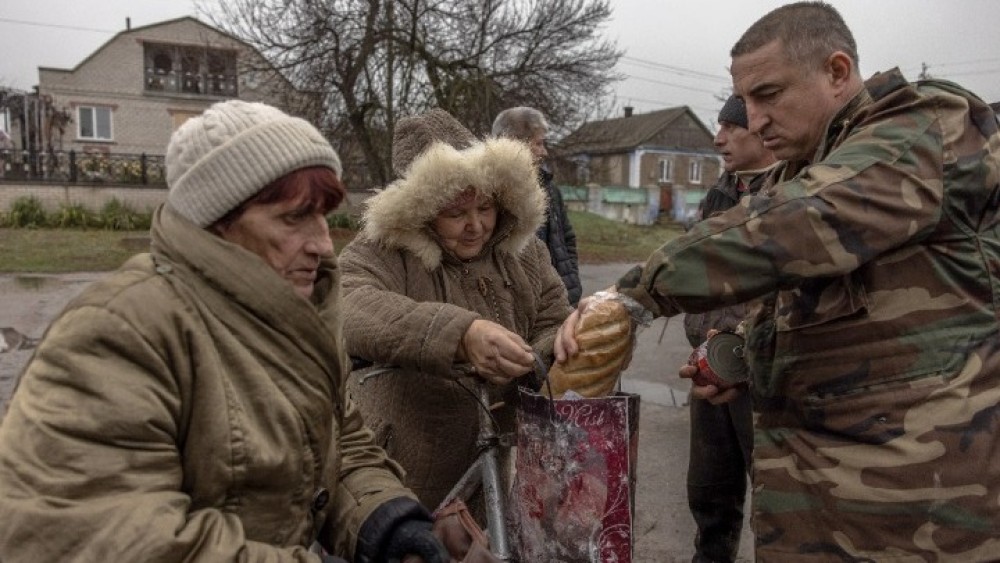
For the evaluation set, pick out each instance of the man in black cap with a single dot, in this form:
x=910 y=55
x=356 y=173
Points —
x=722 y=435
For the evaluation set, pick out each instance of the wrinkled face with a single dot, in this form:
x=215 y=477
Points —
x=538 y=150
x=740 y=149
x=788 y=103
x=291 y=236
x=467 y=224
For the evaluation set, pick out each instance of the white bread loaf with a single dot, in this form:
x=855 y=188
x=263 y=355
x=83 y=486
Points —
x=604 y=335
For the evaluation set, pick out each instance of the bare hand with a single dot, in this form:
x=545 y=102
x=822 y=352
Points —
x=498 y=354
x=709 y=393
x=565 y=345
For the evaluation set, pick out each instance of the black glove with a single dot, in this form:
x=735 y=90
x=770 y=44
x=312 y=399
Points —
x=414 y=537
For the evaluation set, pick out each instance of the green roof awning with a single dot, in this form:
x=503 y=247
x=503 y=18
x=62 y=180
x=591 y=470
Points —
x=574 y=193
x=629 y=196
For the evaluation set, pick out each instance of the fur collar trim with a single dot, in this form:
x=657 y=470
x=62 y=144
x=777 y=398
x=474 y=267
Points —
x=399 y=216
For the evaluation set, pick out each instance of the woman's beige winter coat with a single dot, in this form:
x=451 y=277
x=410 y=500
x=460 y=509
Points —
x=188 y=407
x=407 y=303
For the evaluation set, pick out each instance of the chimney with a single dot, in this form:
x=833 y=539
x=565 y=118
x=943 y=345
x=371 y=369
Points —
x=628 y=111
x=128 y=24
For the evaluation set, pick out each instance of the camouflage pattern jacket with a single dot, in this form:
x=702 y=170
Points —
x=723 y=195
x=876 y=360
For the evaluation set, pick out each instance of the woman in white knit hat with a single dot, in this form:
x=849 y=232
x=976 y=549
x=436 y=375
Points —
x=191 y=405
x=447 y=271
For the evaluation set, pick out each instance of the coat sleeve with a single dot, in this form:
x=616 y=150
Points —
x=368 y=480
x=881 y=189
x=90 y=468
x=553 y=305
x=384 y=325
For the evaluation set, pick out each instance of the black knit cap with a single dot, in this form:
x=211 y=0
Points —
x=735 y=112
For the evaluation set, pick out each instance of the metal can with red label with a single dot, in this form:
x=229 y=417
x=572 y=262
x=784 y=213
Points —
x=720 y=361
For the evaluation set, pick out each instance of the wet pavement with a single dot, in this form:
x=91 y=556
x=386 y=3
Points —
x=664 y=530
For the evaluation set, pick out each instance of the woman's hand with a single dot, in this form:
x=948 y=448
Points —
x=498 y=354
x=565 y=344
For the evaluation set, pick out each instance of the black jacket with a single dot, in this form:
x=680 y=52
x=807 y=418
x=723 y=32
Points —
x=558 y=235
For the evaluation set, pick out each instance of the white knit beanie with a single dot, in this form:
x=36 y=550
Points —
x=228 y=154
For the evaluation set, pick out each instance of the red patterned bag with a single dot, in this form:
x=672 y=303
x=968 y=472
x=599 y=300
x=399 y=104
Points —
x=573 y=497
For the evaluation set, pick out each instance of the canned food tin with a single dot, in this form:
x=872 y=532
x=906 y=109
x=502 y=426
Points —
x=720 y=361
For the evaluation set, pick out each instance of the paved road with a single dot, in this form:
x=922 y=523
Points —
x=664 y=529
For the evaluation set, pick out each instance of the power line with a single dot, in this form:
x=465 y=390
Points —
x=660 y=104
x=958 y=63
x=671 y=84
x=674 y=69
x=56 y=26
x=966 y=73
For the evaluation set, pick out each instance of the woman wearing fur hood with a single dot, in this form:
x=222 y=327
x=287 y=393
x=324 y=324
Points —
x=447 y=270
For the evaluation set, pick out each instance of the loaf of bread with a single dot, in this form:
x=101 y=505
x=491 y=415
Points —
x=604 y=336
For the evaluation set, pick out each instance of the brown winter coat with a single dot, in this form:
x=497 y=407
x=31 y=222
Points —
x=188 y=407
x=408 y=304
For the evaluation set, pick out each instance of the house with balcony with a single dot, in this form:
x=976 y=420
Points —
x=641 y=167
x=130 y=94
x=108 y=119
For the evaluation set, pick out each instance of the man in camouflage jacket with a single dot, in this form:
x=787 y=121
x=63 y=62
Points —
x=722 y=434
x=876 y=360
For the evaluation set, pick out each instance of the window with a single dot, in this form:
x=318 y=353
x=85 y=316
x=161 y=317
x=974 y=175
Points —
x=6 y=143
x=198 y=71
x=94 y=123
x=694 y=171
x=666 y=170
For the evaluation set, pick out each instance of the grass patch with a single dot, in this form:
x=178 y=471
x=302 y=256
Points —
x=601 y=240
x=48 y=250
x=63 y=250
x=58 y=251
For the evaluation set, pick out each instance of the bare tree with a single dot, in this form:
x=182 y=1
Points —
x=377 y=60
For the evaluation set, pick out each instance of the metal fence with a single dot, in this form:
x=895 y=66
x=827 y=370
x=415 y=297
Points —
x=83 y=168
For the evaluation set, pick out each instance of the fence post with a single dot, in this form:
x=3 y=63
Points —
x=142 y=168
x=72 y=166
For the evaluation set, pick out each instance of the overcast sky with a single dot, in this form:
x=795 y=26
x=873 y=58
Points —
x=676 y=52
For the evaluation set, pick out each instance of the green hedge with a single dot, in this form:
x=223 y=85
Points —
x=28 y=213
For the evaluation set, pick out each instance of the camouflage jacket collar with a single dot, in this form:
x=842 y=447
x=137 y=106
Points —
x=876 y=88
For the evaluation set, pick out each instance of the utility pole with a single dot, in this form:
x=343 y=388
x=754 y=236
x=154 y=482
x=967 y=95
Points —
x=924 y=75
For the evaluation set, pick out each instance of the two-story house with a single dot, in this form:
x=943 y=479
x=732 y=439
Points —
x=91 y=133
x=668 y=152
x=130 y=94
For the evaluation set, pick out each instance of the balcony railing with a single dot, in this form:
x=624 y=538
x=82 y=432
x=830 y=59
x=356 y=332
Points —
x=74 y=167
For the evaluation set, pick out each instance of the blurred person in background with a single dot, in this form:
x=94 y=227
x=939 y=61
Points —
x=530 y=126
x=722 y=434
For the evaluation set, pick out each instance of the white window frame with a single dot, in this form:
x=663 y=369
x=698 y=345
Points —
x=94 y=113
x=5 y=120
x=666 y=170
x=694 y=171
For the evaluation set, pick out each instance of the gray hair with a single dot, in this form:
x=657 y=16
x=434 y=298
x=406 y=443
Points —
x=522 y=123
x=809 y=32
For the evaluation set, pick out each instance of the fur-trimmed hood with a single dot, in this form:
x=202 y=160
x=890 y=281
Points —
x=400 y=215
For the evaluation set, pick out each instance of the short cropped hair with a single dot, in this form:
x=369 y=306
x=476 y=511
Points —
x=809 y=31
x=522 y=123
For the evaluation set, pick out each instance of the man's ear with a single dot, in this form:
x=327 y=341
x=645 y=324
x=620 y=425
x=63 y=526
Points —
x=840 y=71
